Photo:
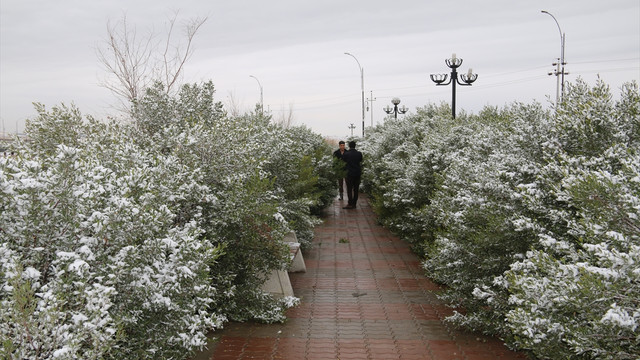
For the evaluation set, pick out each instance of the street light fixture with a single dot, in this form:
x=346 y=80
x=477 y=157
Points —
x=395 y=110
x=454 y=63
x=351 y=127
x=261 y=97
x=361 y=86
x=558 y=72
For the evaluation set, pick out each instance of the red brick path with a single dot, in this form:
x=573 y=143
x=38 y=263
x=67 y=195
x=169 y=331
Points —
x=364 y=296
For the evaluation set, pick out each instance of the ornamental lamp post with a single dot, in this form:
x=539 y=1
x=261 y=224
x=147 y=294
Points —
x=454 y=63
x=395 y=110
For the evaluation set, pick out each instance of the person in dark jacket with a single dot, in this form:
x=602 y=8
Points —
x=338 y=154
x=353 y=158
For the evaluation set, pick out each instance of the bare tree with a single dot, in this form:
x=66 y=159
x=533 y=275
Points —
x=233 y=105
x=133 y=63
x=126 y=60
x=173 y=57
x=286 y=117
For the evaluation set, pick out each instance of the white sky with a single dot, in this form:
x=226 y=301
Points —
x=296 y=50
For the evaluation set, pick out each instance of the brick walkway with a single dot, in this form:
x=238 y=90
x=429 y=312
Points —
x=364 y=296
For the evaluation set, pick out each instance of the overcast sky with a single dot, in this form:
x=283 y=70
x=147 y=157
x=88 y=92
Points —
x=296 y=50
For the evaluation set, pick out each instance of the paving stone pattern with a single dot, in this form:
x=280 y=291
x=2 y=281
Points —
x=364 y=296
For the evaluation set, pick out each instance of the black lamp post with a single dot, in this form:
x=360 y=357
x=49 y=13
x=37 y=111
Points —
x=395 y=110
x=454 y=63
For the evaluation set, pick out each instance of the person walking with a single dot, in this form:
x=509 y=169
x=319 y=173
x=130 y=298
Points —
x=339 y=154
x=353 y=158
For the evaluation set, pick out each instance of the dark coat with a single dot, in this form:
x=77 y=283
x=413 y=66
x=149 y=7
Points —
x=353 y=158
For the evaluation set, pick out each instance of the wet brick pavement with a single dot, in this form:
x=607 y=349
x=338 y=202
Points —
x=364 y=296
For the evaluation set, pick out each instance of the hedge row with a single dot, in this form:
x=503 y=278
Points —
x=531 y=218
x=135 y=239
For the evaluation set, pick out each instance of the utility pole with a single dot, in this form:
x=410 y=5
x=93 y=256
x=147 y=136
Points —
x=370 y=106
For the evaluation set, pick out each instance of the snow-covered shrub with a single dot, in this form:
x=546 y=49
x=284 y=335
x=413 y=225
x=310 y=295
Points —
x=577 y=292
x=92 y=249
x=477 y=207
x=529 y=218
x=401 y=167
x=268 y=179
x=135 y=240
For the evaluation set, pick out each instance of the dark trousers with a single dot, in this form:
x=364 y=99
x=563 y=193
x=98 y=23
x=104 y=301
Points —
x=341 y=182
x=353 y=187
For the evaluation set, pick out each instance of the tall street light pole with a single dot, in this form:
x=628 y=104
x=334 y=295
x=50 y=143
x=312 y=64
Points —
x=454 y=63
x=261 y=98
x=558 y=72
x=361 y=86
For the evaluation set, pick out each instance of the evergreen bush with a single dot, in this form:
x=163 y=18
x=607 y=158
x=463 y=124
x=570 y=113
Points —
x=135 y=240
x=529 y=218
